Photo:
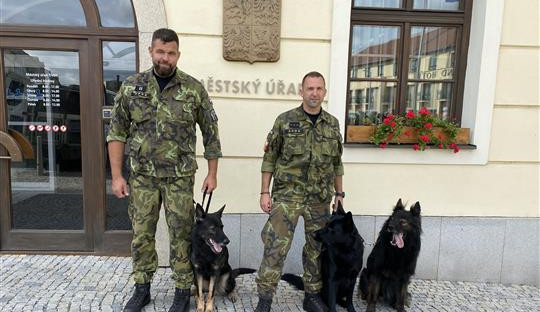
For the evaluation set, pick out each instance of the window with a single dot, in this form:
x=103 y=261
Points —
x=118 y=63
x=115 y=13
x=44 y=12
x=411 y=53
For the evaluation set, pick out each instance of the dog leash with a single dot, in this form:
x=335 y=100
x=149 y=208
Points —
x=209 y=200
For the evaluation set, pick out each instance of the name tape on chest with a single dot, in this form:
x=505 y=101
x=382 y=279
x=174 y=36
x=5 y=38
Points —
x=139 y=90
x=294 y=131
x=294 y=128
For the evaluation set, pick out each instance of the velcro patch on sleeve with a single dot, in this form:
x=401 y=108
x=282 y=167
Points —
x=213 y=115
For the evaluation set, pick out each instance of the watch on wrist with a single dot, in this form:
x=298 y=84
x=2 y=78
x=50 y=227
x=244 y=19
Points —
x=341 y=194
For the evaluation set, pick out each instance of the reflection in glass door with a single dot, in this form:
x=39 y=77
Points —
x=43 y=109
x=118 y=63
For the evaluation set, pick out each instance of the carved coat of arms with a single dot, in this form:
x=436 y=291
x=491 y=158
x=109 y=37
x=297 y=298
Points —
x=251 y=30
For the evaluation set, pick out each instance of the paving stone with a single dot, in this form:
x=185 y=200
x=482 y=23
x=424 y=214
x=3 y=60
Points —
x=90 y=283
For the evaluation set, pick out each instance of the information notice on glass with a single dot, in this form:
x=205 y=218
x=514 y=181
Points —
x=43 y=87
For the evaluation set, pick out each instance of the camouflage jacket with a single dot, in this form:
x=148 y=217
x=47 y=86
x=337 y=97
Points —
x=160 y=126
x=304 y=158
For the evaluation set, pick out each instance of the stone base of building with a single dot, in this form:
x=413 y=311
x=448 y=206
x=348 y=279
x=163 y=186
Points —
x=479 y=249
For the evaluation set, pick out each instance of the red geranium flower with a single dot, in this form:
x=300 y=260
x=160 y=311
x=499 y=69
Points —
x=390 y=116
x=393 y=124
x=441 y=146
x=410 y=114
x=382 y=145
x=416 y=147
x=440 y=137
x=386 y=120
x=453 y=145
x=428 y=126
x=424 y=138
x=456 y=149
x=423 y=111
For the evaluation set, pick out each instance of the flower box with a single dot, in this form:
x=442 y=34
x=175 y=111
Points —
x=362 y=134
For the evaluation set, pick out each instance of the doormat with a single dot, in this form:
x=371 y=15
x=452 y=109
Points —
x=65 y=212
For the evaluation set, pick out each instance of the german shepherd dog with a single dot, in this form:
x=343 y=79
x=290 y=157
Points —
x=392 y=261
x=210 y=259
x=341 y=260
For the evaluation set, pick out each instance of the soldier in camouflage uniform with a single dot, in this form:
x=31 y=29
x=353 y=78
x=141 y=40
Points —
x=156 y=113
x=303 y=155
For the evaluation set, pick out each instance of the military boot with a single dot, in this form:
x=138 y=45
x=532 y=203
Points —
x=140 y=298
x=264 y=304
x=180 y=301
x=313 y=303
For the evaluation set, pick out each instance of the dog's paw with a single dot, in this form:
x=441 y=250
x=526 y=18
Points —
x=408 y=300
x=209 y=306
x=200 y=304
x=232 y=296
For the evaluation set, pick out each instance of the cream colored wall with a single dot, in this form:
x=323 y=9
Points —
x=506 y=186
x=515 y=129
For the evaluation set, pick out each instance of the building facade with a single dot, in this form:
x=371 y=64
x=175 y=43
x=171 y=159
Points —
x=475 y=62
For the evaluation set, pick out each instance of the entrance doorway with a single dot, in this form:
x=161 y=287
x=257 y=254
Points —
x=45 y=86
x=58 y=84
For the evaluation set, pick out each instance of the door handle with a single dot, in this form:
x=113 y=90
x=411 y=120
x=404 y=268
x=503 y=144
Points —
x=11 y=145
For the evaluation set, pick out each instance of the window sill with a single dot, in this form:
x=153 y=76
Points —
x=403 y=146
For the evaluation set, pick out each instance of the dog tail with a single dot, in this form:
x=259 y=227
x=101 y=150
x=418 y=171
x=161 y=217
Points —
x=294 y=280
x=236 y=272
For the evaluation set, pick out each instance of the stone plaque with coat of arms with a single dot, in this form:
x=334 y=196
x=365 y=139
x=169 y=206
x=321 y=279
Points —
x=251 y=30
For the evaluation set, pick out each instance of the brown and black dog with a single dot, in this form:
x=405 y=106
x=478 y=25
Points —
x=210 y=259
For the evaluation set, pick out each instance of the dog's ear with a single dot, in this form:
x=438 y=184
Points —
x=399 y=206
x=340 y=209
x=349 y=223
x=220 y=211
x=415 y=210
x=199 y=213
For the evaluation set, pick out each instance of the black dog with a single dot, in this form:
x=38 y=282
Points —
x=210 y=259
x=341 y=260
x=392 y=261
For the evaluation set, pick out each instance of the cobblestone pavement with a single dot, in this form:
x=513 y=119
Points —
x=89 y=283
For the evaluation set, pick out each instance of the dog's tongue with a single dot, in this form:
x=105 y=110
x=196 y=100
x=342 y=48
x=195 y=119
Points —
x=398 y=240
x=217 y=247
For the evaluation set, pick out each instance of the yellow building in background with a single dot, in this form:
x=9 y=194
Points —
x=476 y=62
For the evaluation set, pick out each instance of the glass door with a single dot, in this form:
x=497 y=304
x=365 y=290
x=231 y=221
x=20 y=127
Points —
x=44 y=204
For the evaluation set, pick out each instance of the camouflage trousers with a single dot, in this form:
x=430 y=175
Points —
x=146 y=196
x=277 y=237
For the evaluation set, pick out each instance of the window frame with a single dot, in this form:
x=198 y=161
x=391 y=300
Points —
x=478 y=98
x=405 y=18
